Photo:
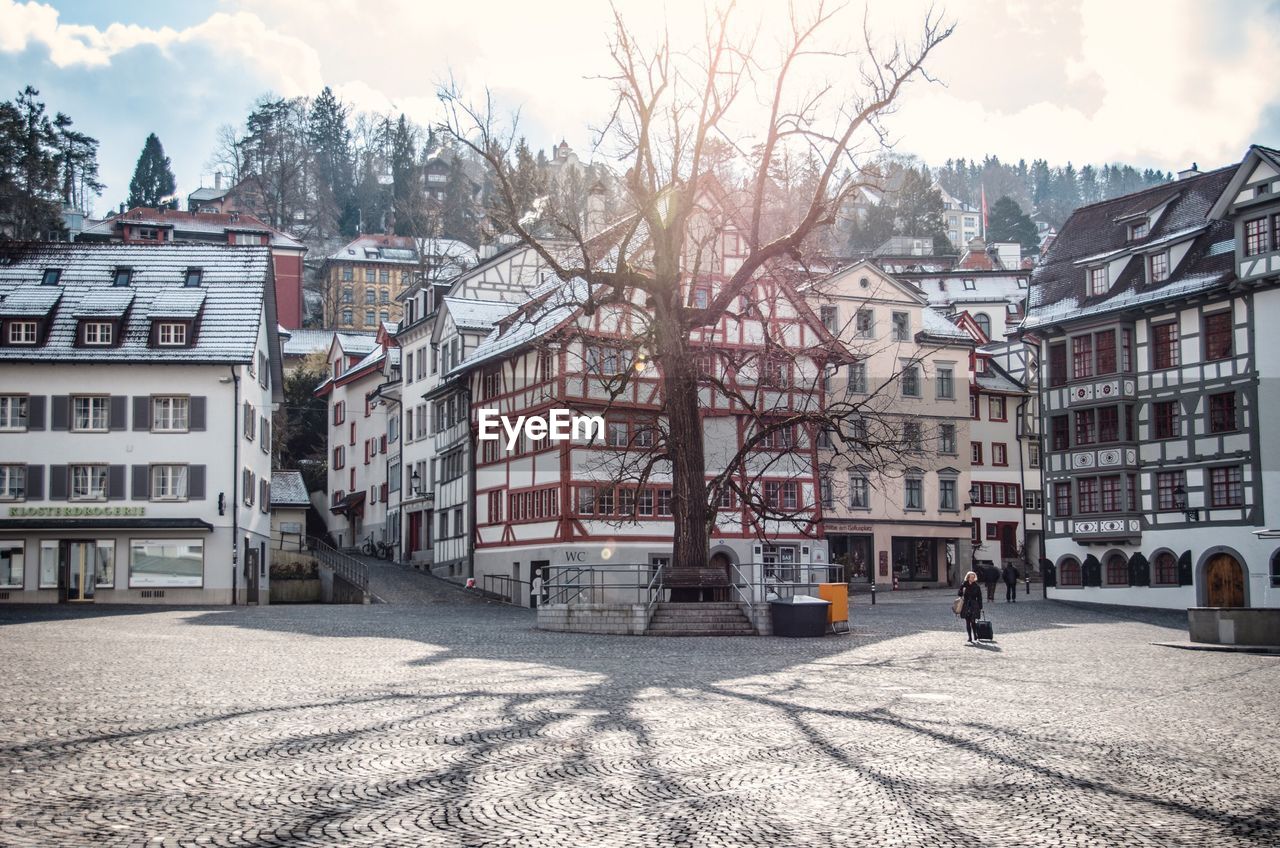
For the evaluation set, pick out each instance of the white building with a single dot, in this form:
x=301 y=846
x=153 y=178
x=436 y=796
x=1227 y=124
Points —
x=135 y=409
x=961 y=221
x=1154 y=313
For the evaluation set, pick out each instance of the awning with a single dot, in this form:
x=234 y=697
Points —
x=105 y=524
x=353 y=502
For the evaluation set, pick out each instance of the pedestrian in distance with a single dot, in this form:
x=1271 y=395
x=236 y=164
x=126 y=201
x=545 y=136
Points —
x=1010 y=575
x=535 y=589
x=970 y=603
x=990 y=576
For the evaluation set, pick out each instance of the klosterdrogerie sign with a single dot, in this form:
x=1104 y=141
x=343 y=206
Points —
x=77 y=511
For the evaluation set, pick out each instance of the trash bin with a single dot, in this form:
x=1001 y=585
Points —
x=799 y=616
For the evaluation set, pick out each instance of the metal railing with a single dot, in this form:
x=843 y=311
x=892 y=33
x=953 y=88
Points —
x=515 y=591
x=347 y=567
x=647 y=584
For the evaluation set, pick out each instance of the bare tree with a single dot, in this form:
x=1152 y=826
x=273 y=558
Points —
x=673 y=114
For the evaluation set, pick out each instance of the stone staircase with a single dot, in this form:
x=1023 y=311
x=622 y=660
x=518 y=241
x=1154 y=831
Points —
x=699 y=619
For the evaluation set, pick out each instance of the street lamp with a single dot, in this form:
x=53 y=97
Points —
x=975 y=491
x=415 y=480
x=1180 y=502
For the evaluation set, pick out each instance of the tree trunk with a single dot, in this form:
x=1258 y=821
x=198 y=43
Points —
x=689 y=577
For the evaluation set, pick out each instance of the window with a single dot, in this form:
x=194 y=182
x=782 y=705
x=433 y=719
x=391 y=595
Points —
x=864 y=324
x=999 y=454
x=1081 y=357
x=975 y=453
x=122 y=277
x=774 y=373
x=913 y=497
x=1139 y=230
x=1098 y=281
x=90 y=414
x=947 y=439
x=348 y=294
x=22 y=332
x=97 y=333
x=370 y=296
x=1069 y=572
x=384 y=276
x=616 y=434
x=1255 y=237
x=1061 y=500
x=858 y=378
x=1164 y=345
x=607 y=361
x=664 y=502
x=368 y=317
x=901 y=327
x=88 y=483
x=1110 y=487
x=1057 y=365
x=172 y=334
x=1108 y=424
x=168 y=482
x=828 y=315
x=251 y=421
x=1222 y=412
x=347 y=317
x=166 y=562
x=13 y=482
x=970 y=284
x=911 y=436
x=1117 y=570
x=1166 y=419
x=996 y=408
x=827 y=491
x=946 y=383
x=1086 y=427
x=1226 y=487
x=1171 y=486
x=701 y=297
x=1217 y=336
x=1158 y=267
x=1059 y=433
x=947 y=494
x=13 y=412
x=910 y=381
x=1126 y=350
x=1105 y=345
x=384 y=296
x=983 y=320
x=192 y=278
x=975 y=533
x=12 y=563
x=1033 y=501
x=1088 y=491
x=973 y=407
x=1164 y=570
x=368 y=275
x=1033 y=454
x=859 y=491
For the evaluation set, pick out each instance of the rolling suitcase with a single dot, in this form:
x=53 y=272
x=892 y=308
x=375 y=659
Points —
x=982 y=630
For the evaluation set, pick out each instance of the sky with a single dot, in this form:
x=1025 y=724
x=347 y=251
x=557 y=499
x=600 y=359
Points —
x=1153 y=84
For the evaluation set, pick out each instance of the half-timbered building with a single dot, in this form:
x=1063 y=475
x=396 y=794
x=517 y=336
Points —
x=1153 y=313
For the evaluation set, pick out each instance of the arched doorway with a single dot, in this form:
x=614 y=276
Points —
x=720 y=560
x=1224 y=582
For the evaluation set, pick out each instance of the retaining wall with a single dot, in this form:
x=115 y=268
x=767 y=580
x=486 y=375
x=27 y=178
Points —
x=1235 y=625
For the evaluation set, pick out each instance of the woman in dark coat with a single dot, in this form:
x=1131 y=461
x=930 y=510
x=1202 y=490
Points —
x=971 y=606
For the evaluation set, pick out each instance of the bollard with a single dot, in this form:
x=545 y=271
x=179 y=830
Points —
x=873 y=594
x=1028 y=584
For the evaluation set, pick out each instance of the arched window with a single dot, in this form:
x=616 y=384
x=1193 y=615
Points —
x=1164 y=570
x=1117 y=572
x=1069 y=572
x=1275 y=570
x=983 y=320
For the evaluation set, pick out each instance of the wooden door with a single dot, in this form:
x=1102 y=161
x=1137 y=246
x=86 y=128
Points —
x=1008 y=540
x=1225 y=580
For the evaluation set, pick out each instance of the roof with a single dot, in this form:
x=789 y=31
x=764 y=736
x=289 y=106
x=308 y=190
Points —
x=288 y=489
x=208 y=193
x=234 y=283
x=477 y=314
x=994 y=379
x=187 y=224
x=1100 y=232
x=29 y=301
x=404 y=250
x=178 y=303
x=549 y=305
x=306 y=341
x=936 y=326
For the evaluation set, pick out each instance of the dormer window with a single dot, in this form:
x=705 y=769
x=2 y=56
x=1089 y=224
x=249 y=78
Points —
x=122 y=277
x=970 y=284
x=23 y=332
x=1098 y=283
x=171 y=334
x=193 y=278
x=51 y=277
x=1139 y=230
x=1158 y=267
x=97 y=333
x=148 y=234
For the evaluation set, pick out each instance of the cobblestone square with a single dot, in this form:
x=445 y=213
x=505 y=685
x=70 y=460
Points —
x=435 y=719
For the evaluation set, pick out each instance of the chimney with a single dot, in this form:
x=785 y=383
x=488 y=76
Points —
x=1193 y=171
x=217 y=179
x=595 y=209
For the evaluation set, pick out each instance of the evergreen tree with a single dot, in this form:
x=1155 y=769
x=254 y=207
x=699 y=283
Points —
x=77 y=164
x=1007 y=222
x=153 y=180
x=30 y=185
x=329 y=138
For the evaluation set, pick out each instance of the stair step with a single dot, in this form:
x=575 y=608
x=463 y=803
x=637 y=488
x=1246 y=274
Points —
x=747 y=632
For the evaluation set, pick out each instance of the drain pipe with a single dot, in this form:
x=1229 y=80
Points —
x=1022 y=486
x=235 y=482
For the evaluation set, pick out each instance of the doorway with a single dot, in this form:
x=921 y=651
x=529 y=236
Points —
x=1008 y=539
x=1224 y=579
x=79 y=570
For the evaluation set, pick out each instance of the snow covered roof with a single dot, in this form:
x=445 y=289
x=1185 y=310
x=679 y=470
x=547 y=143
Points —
x=995 y=380
x=549 y=306
x=29 y=301
x=477 y=314
x=405 y=250
x=198 y=226
x=306 y=341
x=288 y=489
x=355 y=344
x=178 y=303
x=937 y=326
x=234 y=281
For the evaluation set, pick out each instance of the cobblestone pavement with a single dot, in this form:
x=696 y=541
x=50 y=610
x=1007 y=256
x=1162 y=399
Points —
x=456 y=723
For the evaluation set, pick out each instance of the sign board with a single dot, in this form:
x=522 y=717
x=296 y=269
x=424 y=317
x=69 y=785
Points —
x=884 y=563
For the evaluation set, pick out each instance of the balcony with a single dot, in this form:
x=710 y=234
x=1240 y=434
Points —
x=1102 y=391
x=1115 y=526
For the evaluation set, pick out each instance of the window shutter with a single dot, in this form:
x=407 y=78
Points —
x=196 y=413
x=195 y=482
x=141 y=478
x=142 y=412
x=1091 y=571
x=61 y=417
x=118 y=413
x=35 y=482
x=57 y=482
x=115 y=483
x=35 y=412
x=1184 y=569
x=265 y=498
x=1139 y=570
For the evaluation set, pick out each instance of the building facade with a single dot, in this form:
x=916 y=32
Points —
x=1152 y=313
x=135 y=443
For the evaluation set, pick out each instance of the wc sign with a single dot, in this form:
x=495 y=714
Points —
x=557 y=425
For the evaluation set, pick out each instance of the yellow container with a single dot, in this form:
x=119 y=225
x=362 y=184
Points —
x=838 y=595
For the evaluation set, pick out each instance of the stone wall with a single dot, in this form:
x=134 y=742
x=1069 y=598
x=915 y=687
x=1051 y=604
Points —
x=620 y=619
x=1235 y=625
